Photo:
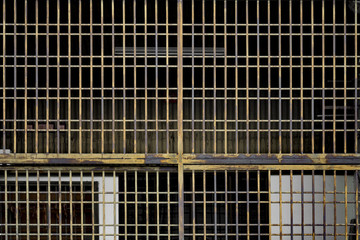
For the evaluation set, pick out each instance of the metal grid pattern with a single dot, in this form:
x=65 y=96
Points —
x=87 y=204
x=221 y=202
x=173 y=79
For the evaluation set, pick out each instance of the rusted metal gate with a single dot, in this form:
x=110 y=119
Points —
x=191 y=119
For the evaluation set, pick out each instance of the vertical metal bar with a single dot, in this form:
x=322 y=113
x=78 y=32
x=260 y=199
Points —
x=301 y=79
x=334 y=79
x=280 y=76
x=80 y=77
x=312 y=80
x=167 y=78
x=247 y=206
x=236 y=85
x=124 y=79
x=313 y=204
x=17 y=203
x=180 y=116
x=335 y=236
x=27 y=207
x=203 y=76
x=280 y=209
x=146 y=78
x=102 y=77
x=36 y=76
x=71 y=205
x=15 y=77
x=269 y=77
x=193 y=204
x=168 y=201
x=134 y=25
x=227 y=208
x=204 y=203
x=225 y=79
x=356 y=84
x=6 y=204
x=345 y=79
x=258 y=205
x=156 y=80
x=4 y=77
x=49 y=204
x=58 y=78
x=60 y=207
x=269 y=197
x=92 y=206
x=103 y=205
x=291 y=207
x=193 y=79
x=147 y=205
x=291 y=76
x=47 y=76
x=237 y=204
x=157 y=207
x=214 y=46
x=247 y=78
x=37 y=201
x=82 y=204
x=115 y=203
x=125 y=204
x=69 y=77
x=136 y=206
x=323 y=75
x=346 y=204
x=113 y=76
x=302 y=206
x=215 y=207
x=258 y=75
x=324 y=205
x=357 y=200
x=91 y=78
x=26 y=81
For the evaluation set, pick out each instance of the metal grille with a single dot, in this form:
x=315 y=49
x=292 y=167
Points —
x=221 y=202
x=162 y=78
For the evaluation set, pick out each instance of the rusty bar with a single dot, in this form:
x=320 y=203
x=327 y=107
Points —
x=58 y=78
x=134 y=38
x=146 y=77
x=323 y=75
x=301 y=79
x=291 y=77
x=26 y=80
x=334 y=79
x=124 y=78
x=236 y=85
x=225 y=82
x=280 y=76
x=69 y=77
x=345 y=79
x=247 y=206
x=102 y=76
x=27 y=207
x=312 y=80
x=80 y=77
x=36 y=77
x=113 y=77
x=4 y=82
x=193 y=80
x=91 y=78
x=269 y=77
x=167 y=79
x=15 y=78
x=156 y=81
x=71 y=205
x=247 y=79
x=257 y=76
